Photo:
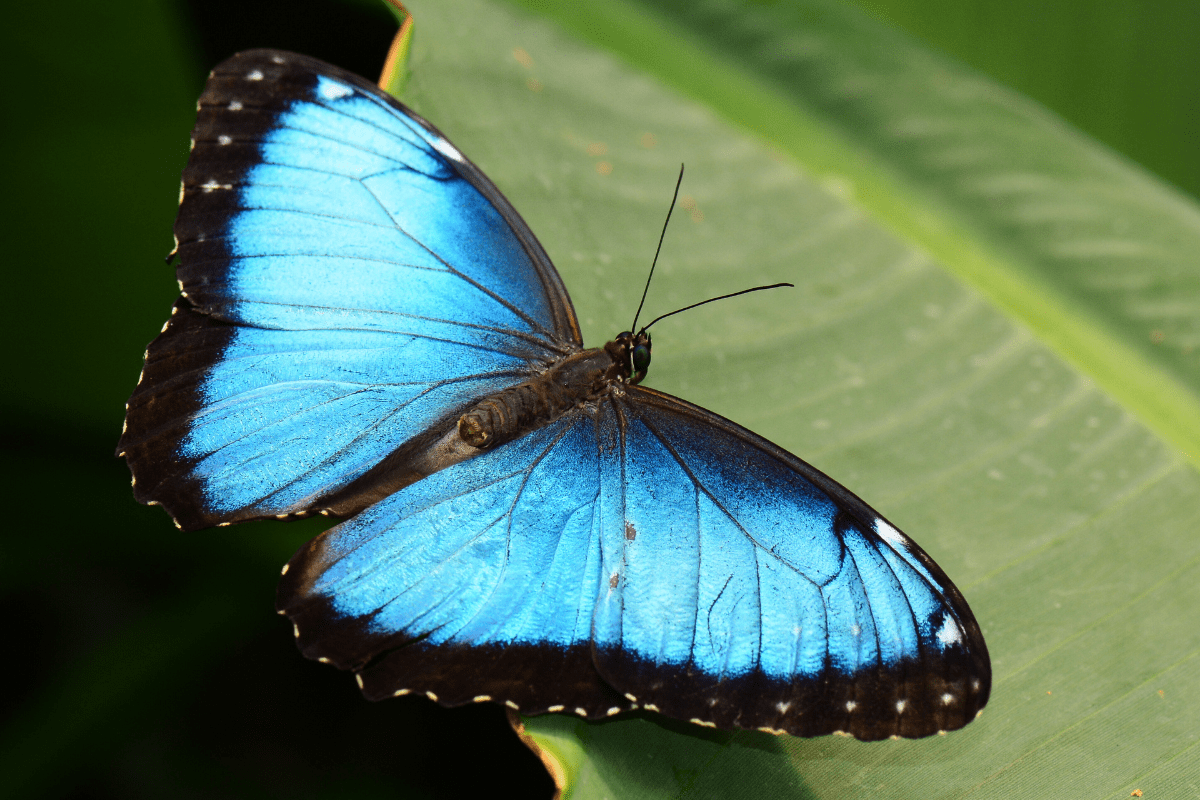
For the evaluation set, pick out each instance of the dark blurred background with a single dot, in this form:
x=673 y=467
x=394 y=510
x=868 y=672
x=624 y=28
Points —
x=149 y=663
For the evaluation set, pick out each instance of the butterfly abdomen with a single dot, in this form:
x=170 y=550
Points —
x=519 y=409
x=497 y=418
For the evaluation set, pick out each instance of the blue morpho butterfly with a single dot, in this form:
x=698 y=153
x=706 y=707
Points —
x=368 y=329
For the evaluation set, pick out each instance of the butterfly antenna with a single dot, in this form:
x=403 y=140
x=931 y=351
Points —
x=661 y=236
x=715 y=299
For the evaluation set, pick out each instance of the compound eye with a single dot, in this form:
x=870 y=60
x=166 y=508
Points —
x=641 y=358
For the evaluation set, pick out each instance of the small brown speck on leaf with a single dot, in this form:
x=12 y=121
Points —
x=523 y=58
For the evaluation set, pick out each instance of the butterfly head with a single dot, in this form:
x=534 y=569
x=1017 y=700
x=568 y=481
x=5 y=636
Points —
x=632 y=352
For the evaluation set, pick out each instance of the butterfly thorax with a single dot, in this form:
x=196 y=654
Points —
x=576 y=379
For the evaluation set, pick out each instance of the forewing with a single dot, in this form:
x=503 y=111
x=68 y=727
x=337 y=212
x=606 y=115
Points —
x=349 y=281
x=750 y=590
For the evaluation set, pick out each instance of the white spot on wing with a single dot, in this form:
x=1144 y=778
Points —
x=401 y=692
x=890 y=535
x=235 y=105
x=900 y=704
x=431 y=696
x=449 y=150
x=481 y=698
x=949 y=633
x=285 y=569
x=255 y=75
x=851 y=705
x=613 y=710
x=555 y=709
x=511 y=705
x=333 y=90
x=947 y=699
x=223 y=139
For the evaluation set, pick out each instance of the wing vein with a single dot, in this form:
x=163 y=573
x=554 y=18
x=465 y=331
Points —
x=701 y=487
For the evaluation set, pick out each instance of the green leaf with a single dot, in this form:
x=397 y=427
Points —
x=994 y=340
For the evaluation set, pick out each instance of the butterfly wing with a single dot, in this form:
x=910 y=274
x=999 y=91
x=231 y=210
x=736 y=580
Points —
x=644 y=552
x=476 y=583
x=750 y=590
x=350 y=281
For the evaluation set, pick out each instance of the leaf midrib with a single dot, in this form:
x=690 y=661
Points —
x=671 y=52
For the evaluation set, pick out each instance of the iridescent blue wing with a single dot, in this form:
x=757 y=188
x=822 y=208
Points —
x=751 y=590
x=350 y=283
x=644 y=553
x=476 y=583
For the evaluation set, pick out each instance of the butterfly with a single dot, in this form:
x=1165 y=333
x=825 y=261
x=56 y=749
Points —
x=367 y=329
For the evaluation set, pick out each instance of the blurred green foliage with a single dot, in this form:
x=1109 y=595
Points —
x=1123 y=71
